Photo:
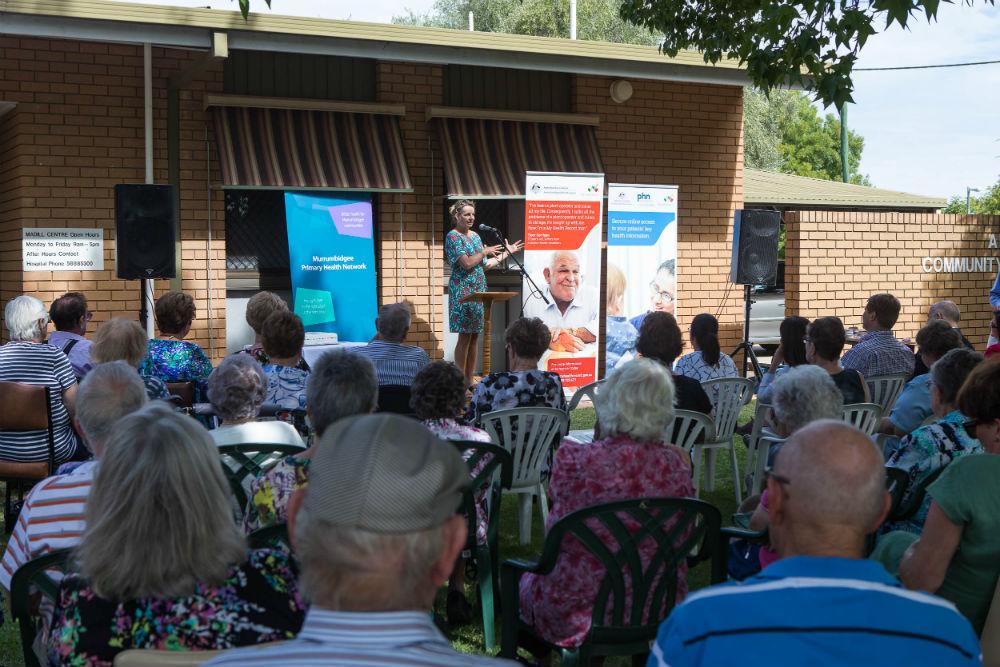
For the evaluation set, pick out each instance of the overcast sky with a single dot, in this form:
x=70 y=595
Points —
x=931 y=132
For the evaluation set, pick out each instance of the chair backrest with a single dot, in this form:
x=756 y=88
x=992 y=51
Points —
x=640 y=544
x=250 y=460
x=731 y=395
x=864 y=416
x=588 y=391
x=28 y=407
x=394 y=398
x=183 y=391
x=529 y=434
x=31 y=578
x=885 y=389
x=490 y=467
x=688 y=428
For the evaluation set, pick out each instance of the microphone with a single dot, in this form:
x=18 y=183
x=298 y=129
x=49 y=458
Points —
x=491 y=230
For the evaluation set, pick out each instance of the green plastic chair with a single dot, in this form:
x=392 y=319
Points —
x=654 y=585
x=31 y=578
x=270 y=537
x=249 y=461
x=498 y=460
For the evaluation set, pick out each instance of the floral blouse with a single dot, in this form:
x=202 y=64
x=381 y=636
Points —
x=175 y=361
x=286 y=386
x=269 y=493
x=559 y=605
x=258 y=602
x=516 y=389
x=452 y=429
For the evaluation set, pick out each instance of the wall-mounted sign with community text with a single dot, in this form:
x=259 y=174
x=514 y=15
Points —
x=975 y=264
x=62 y=249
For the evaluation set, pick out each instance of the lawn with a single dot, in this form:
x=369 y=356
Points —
x=470 y=638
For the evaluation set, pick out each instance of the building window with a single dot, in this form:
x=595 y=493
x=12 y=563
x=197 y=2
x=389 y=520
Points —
x=256 y=240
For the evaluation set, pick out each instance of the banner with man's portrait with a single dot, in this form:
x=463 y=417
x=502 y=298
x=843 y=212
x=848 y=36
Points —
x=562 y=244
x=642 y=263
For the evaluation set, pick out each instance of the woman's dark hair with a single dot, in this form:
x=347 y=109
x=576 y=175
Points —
x=827 y=336
x=950 y=372
x=793 y=332
x=979 y=397
x=282 y=334
x=174 y=311
x=528 y=337
x=438 y=391
x=660 y=338
x=705 y=332
x=936 y=338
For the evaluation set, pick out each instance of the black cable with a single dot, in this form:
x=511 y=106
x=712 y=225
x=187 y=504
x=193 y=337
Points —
x=891 y=69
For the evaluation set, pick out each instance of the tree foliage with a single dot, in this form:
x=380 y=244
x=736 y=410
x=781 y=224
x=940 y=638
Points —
x=988 y=203
x=814 y=43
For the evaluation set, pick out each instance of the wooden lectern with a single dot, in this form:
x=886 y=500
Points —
x=487 y=299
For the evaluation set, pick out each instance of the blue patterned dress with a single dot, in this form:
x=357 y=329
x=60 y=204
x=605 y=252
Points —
x=175 y=361
x=464 y=317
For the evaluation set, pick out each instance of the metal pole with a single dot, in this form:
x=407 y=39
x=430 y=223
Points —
x=147 y=62
x=843 y=143
x=472 y=22
x=968 y=199
x=572 y=19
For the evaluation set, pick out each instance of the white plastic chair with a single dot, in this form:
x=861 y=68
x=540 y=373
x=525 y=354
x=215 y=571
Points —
x=529 y=434
x=731 y=395
x=885 y=389
x=588 y=391
x=685 y=431
x=761 y=452
x=864 y=416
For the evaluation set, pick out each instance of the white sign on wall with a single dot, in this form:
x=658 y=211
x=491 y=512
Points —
x=62 y=249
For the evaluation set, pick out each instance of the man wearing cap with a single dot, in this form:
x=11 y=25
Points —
x=376 y=533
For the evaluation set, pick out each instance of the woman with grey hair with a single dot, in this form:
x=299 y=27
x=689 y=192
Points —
x=802 y=395
x=161 y=563
x=236 y=390
x=631 y=460
x=29 y=360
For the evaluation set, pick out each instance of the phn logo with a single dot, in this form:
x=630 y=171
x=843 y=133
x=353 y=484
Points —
x=642 y=196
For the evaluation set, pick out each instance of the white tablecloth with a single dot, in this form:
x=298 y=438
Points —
x=312 y=353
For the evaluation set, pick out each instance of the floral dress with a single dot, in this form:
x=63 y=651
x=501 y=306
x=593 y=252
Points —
x=258 y=602
x=269 y=494
x=286 y=386
x=464 y=317
x=452 y=429
x=516 y=389
x=559 y=605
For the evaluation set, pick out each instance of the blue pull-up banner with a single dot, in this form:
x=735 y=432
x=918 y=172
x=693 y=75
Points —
x=331 y=248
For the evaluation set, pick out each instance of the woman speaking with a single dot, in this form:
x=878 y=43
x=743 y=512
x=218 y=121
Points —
x=467 y=256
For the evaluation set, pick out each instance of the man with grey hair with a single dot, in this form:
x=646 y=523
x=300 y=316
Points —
x=395 y=363
x=376 y=532
x=949 y=312
x=53 y=513
x=822 y=603
x=341 y=384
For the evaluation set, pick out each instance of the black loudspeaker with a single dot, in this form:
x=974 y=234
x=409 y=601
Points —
x=755 y=246
x=146 y=220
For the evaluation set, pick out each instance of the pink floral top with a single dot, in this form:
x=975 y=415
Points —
x=559 y=605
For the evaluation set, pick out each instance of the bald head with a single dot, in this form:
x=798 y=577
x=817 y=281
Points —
x=831 y=481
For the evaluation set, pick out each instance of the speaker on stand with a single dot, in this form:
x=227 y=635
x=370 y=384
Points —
x=145 y=218
x=754 y=262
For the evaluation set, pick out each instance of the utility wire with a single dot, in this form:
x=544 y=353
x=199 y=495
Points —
x=887 y=69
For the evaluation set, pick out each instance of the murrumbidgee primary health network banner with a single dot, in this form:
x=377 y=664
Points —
x=562 y=253
x=642 y=263
x=331 y=248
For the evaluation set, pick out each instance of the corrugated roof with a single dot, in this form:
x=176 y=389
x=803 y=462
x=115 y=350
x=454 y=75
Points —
x=302 y=27
x=772 y=188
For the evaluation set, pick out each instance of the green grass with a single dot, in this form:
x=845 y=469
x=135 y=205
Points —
x=469 y=639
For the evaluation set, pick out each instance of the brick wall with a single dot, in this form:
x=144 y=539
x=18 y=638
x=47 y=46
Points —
x=835 y=260
x=77 y=131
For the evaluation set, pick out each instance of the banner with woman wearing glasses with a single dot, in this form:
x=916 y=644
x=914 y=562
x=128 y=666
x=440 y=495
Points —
x=642 y=263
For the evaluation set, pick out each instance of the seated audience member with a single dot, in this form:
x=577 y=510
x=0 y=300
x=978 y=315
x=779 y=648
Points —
x=523 y=385
x=28 y=360
x=236 y=390
x=825 y=340
x=932 y=447
x=957 y=554
x=631 y=460
x=341 y=384
x=375 y=532
x=878 y=352
x=161 y=563
x=170 y=357
x=822 y=603
x=282 y=336
x=791 y=352
x=70 y=316
x=992 y=346
x=395 y=363
x=946 y=311
x=261 y=306
x=438 y=401
x=621 y=334
x=707 y=362
x=914 y=405
x=53 y=513
x=120 y=339
x=660 y=339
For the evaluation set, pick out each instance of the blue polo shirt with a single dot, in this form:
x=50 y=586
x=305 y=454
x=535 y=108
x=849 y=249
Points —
x=817 y=612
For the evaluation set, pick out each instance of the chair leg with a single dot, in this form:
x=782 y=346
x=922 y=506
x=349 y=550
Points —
x=696 y=455
x=737 y=482
x=484 y=567
x=710 y=469
x=570 y=658
x=524 y=508
x=543 y=503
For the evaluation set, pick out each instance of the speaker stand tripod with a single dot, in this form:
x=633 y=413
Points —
x=746 y=347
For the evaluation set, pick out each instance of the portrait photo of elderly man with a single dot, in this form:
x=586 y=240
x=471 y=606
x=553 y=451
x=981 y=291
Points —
x=572 y=309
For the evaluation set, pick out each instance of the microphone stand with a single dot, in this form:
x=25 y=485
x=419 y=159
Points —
x=520 y=267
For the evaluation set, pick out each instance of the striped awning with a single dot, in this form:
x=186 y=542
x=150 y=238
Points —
x=302 y=148
x=488 y=158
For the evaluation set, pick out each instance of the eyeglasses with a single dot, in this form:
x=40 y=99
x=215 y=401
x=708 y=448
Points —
x=662 y=295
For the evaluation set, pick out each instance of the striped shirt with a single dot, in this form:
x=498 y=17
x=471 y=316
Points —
x=342 y=639
x=52 y=518
x=38 y=363
x=814 y=611
x=395 y=363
